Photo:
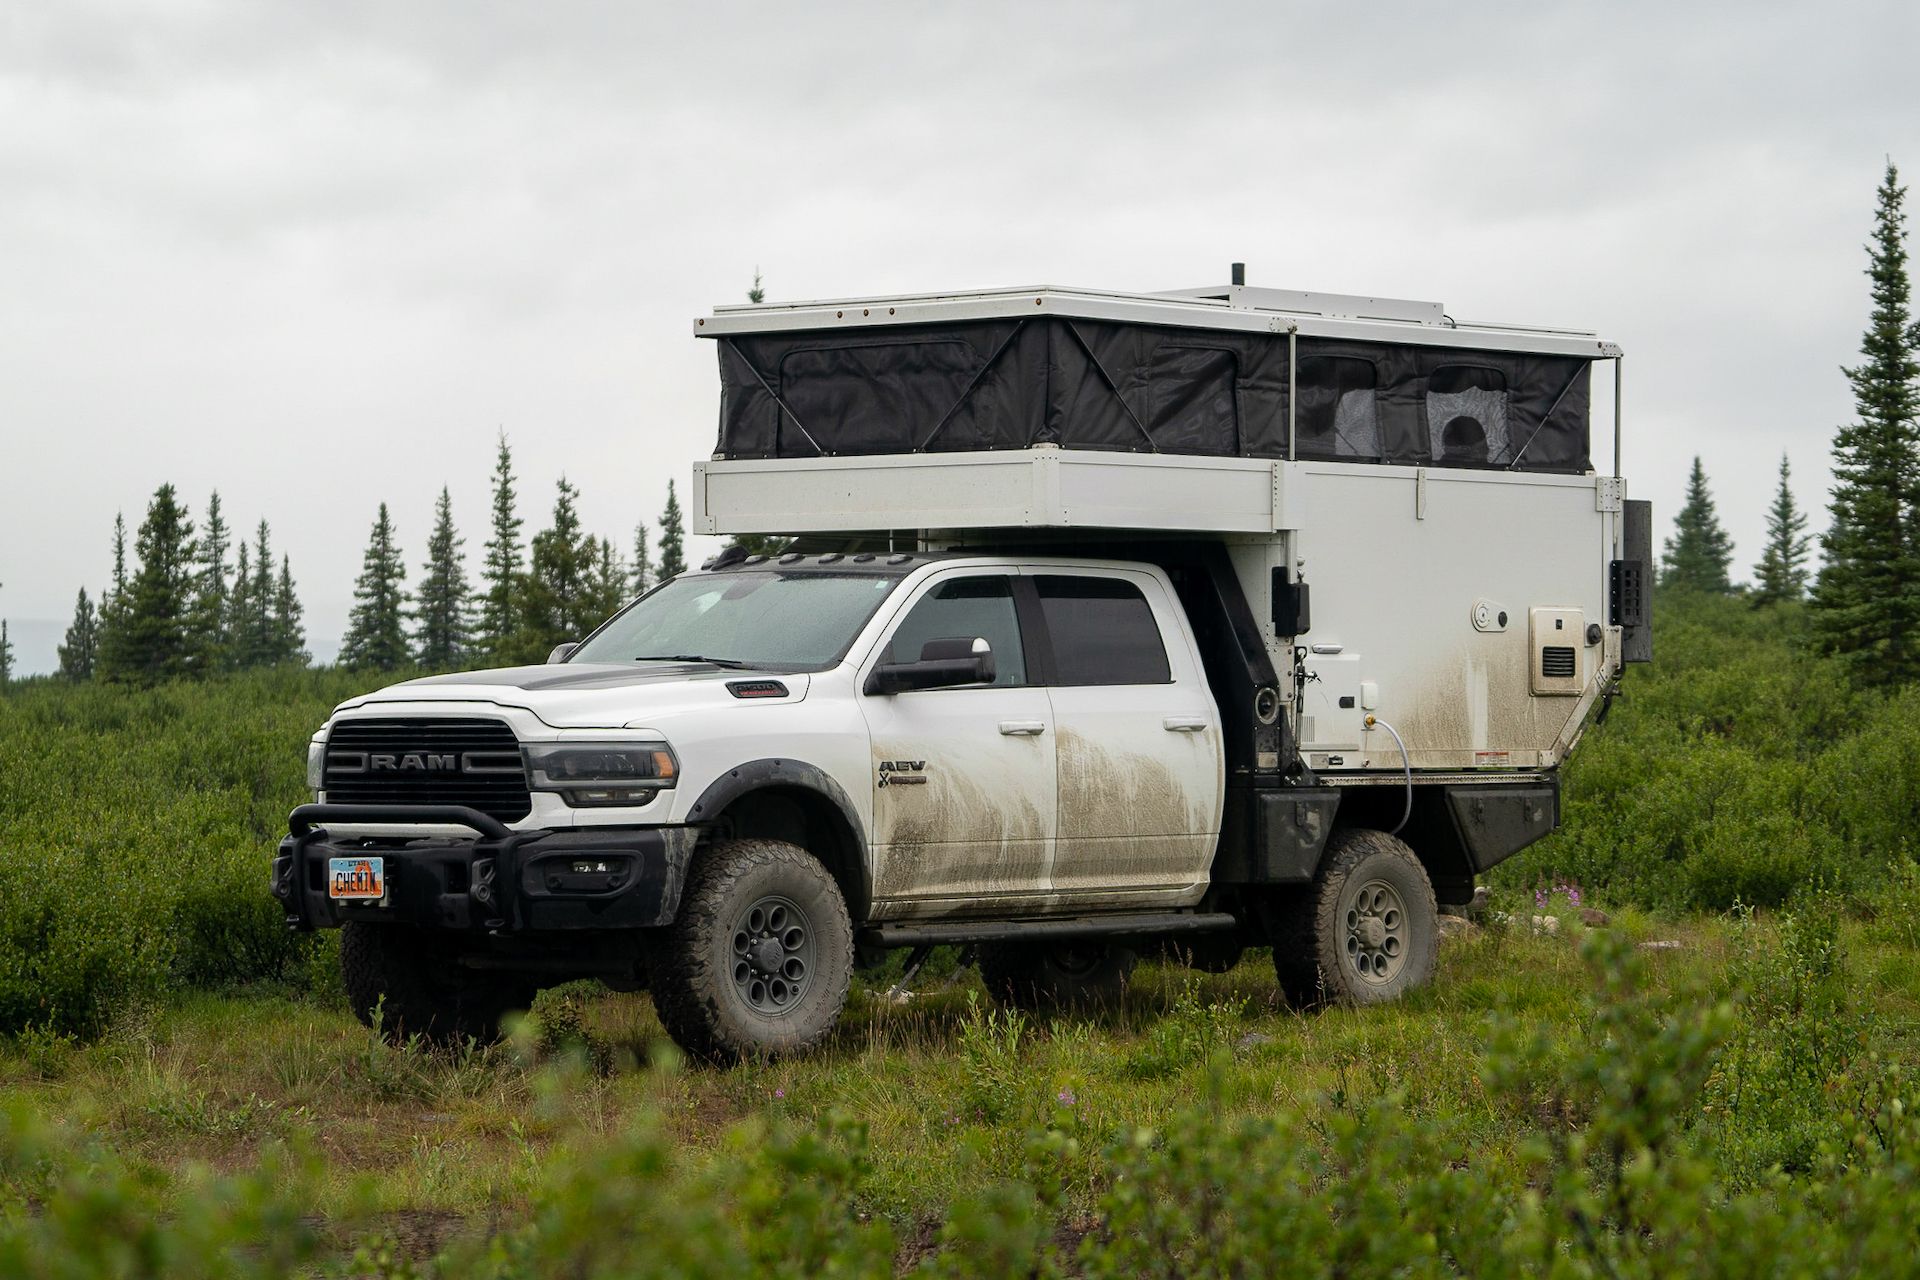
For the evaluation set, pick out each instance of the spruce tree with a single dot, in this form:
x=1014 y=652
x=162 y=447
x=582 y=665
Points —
x=240 y=606
x=606 y=587
x=289 y=634
x=757 y=294
x=501 y=571
x=376 y=636
x=1781 y=574
x=6 y=656
x=441 y=635
x=156 y=643
x=111 y=649
x=1867 y=597
x=555 y=591
x=673 y=534
x=251 y=632
x=1699 y=552
x=209 y=623
x=82 y=646
x=642 y=569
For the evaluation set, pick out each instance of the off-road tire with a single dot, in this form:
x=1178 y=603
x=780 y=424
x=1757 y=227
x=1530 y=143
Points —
x=1043 y=976
x=1367 y=932
x=1295 y=963
x=706 y=1001
x=405 y=982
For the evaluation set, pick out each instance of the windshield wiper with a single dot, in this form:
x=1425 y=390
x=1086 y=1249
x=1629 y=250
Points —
x=690 y=657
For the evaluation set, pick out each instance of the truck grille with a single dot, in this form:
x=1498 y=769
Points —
x=1557 y=661
x=475 y=763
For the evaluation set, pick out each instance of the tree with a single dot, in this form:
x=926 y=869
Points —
x=442 y=635
x=154 y=643
x=556 y=591
x=642 y=570
x=376 y=636
x=209 y=619
x=1699 y=551
x=251 y=635
x=1866 y=601
x=756 y=295
x=499 y=612
x=81 y=649
x=673 y=535
x=1781 y=574
x=111 y=648
x=606 y=587
x=240 y=608
x=6 y=656
x=289 y=634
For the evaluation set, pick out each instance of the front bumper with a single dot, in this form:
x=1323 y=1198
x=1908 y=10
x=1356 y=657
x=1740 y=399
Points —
x=501 y=880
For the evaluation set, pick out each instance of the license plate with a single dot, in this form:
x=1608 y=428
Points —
x=357 y=879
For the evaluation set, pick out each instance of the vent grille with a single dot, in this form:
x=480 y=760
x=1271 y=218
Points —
x=475 y=763
x=1557 y=662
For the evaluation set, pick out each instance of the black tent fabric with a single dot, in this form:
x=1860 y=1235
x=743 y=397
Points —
x=1084 y=384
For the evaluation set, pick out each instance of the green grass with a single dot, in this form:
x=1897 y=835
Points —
x=439 y=1146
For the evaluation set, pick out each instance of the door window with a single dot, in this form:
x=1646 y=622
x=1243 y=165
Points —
x=1102 y=631
x=980 y=607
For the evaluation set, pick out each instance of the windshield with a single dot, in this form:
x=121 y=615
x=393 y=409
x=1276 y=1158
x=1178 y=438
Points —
x=756 y=618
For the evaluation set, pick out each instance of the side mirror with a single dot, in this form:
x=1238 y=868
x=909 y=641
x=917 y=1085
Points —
x=561 y=652
x=943 y=664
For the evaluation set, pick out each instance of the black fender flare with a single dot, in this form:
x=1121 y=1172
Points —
x=759 y=775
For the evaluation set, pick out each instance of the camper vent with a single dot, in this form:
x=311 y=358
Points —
x=1556 y=661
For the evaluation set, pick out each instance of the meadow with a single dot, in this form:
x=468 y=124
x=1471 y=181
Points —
x=1717 y=1081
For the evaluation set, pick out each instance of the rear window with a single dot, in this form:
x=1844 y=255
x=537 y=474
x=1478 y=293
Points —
x=1102 y=631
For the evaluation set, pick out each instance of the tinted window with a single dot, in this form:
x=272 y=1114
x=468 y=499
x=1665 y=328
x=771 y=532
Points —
x=965 y=608
x=1103 y=632
x=1467 y=416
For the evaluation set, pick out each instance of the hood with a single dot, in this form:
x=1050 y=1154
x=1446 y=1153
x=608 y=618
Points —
x=591 y=695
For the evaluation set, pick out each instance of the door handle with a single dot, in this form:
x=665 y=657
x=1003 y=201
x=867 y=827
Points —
x=1184 y=724
x=1023 y=728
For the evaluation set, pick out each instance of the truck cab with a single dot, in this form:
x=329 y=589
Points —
x=1057 y=705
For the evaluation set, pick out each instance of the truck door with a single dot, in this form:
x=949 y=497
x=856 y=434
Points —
x=964 y=778
x=1139 y=739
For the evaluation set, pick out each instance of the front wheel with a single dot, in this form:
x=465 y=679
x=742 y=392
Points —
x=758 y=962
x=1368 y=930
x=404 y=981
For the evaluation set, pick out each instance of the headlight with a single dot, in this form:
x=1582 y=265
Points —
x=602 y=773
x=317 y=762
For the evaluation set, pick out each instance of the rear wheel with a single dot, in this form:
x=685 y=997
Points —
x=1056 y=975
x=405 y=981
x=758 y=962
x=1367 y=932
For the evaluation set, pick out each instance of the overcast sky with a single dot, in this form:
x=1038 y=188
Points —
x=315 y=256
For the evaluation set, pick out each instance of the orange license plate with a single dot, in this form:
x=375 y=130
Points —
x=357 y=879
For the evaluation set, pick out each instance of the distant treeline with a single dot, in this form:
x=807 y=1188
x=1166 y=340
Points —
x=192 y=601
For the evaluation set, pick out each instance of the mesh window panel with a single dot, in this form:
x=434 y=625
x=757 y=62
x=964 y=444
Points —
x=1339 y=415
x=1467 y=416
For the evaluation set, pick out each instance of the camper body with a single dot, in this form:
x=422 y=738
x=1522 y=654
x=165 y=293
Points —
x=1105 y=622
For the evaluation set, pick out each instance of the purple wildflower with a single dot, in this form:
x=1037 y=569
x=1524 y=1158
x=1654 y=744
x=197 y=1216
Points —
x=779 y=1094
x=1066 y=1097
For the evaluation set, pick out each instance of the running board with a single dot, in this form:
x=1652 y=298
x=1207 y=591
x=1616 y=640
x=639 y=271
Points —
x=941 y=933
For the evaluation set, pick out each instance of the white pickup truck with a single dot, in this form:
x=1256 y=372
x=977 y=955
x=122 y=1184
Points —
x=1011 y=720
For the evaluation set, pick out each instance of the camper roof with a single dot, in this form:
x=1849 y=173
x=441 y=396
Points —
x=1231 y=308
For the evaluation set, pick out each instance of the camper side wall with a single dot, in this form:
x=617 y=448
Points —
x=1466 y=609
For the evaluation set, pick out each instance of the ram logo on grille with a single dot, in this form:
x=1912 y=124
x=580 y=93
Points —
x=365 y=762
